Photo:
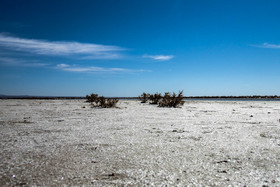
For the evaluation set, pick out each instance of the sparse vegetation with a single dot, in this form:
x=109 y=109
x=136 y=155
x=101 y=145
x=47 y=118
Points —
x=101 y=101
x=107 y=102
x=92 y=99
x=144 y=97
x=173 y=100
x=155 y=98
x=168 y=100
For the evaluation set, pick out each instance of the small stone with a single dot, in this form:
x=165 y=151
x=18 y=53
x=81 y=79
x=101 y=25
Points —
x=251 y=116
x=222 y=161
x=111 y=174
x=222 y=171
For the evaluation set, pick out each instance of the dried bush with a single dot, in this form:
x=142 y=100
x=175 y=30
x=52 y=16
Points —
x=88 y=98
x=92 y=99
x=155 y=98
x=112 y=102
x=144 y=97
x=107 y=103
x=101 y=101
x=173 y=100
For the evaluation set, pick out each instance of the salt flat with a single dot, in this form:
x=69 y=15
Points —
x=206 y=143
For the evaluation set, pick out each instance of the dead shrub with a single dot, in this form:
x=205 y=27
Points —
x=92 y=99
x=155 y=98
x=173 y=100
x=101 y=101
x=144 y=97
x=107 y=102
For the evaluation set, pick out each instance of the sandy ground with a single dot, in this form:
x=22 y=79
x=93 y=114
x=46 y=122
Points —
x=204 y=143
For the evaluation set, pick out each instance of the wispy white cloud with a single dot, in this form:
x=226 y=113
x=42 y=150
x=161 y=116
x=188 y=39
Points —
x=60 y=48
x=267 y=45
x=14 y=62
x=18 y=62
x=62 y=66
x=159 y=57
x=106 y=56
x=94 y=69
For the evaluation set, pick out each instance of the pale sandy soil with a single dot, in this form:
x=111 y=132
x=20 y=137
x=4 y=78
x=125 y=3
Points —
x=204 y=143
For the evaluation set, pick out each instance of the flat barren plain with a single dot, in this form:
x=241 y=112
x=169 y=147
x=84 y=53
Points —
x=203 y=143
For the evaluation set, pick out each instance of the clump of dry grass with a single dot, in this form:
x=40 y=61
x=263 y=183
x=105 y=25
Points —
x=101 y=101
x=173 y=100
x=144 y=97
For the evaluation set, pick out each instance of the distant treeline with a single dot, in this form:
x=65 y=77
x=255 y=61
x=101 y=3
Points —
x=235 y=97
x=55 y=97
x=39 y=97
x=189 y=97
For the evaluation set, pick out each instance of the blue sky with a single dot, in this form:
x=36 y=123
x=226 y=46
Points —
x=125 y=47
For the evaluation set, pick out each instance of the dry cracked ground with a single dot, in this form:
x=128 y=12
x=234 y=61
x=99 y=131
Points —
x=204 y=143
